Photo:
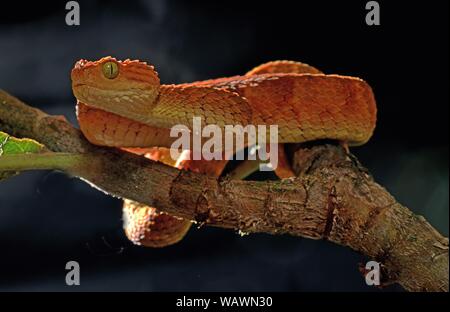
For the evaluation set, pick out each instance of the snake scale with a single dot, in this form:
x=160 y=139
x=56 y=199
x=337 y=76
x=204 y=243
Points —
x=122 y=104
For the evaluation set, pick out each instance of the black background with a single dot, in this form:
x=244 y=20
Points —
x=47 y=218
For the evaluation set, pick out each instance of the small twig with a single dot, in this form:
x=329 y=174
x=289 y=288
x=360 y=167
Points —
x=44 y=161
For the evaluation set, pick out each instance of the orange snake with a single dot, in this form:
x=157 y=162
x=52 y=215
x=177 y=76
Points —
x=122 y=104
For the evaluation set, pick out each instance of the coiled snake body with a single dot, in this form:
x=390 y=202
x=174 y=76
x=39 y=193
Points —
x=122 y=104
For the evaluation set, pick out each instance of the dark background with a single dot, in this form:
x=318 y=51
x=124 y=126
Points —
x=47 y=218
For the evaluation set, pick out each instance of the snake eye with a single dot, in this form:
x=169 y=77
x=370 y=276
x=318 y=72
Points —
x=110 y=70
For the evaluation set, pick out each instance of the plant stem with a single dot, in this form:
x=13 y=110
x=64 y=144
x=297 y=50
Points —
x=44 y=161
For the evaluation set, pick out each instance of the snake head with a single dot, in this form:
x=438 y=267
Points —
x=127 y=87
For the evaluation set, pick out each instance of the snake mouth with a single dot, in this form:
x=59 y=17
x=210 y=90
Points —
x=94 y=88
x=114 y=91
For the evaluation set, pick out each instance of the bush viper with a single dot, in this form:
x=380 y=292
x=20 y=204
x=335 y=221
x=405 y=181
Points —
x=122 y=104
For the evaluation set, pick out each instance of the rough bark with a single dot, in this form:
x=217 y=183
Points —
x=333 y=198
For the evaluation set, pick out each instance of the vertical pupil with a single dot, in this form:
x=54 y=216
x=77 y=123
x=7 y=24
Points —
x=110 y=70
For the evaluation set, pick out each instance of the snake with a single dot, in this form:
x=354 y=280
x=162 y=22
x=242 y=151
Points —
x=122 y=104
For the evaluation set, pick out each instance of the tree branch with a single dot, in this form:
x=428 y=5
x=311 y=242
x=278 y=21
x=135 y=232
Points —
x=333 y=198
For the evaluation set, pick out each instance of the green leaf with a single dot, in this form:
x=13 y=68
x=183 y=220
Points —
x=11 y=146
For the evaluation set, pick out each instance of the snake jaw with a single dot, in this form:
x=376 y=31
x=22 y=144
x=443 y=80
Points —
x=134 y=103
